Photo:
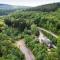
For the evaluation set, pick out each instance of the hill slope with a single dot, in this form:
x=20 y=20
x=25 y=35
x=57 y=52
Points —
x=47 y=7
x=6 y=9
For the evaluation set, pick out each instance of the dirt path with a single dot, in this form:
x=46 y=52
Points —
x=28 y=54
x=54 y=35
x=43 y=39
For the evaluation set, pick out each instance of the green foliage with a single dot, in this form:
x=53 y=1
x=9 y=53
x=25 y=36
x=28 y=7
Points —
x=2 y=25
x=45 y=8
x=24 y=25
x=7 y=50
x=34 y=30
x=38 y=50
x=4 y=12
x=58 y=47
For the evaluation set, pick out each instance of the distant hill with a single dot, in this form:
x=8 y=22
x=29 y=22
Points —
x=6 y=9
x=47 y=7
x=6 y=6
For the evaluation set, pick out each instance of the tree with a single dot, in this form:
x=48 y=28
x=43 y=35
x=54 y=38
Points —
x=34 y=30
x=2 y=24
x=58 y=48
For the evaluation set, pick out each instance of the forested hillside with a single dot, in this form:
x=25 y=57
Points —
x=24 y=25
x=5 y=9
x=46 y=8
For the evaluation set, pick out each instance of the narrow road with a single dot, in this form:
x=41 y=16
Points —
x=42 y=29
x=43 y=39
x=28 y=54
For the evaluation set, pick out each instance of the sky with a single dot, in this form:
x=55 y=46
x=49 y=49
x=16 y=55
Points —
x=27 y=2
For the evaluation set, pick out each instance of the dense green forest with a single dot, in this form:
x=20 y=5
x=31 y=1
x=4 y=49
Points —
x=45 y=8
x=24 y=25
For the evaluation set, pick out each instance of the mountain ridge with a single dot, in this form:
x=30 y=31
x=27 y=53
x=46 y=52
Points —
x=5 y=9
x=46 y=7
x=4 y=6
